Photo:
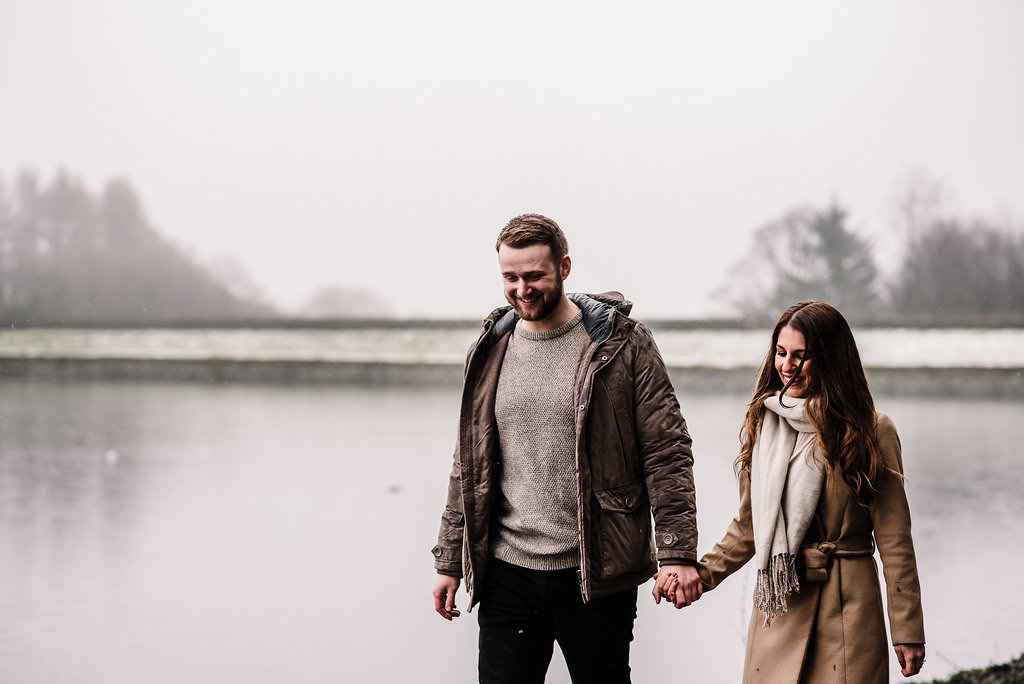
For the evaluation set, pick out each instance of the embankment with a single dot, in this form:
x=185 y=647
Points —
x=1006 y=673
x=925 y=381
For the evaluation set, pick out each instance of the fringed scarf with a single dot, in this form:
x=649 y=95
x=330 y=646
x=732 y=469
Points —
x=786 y=477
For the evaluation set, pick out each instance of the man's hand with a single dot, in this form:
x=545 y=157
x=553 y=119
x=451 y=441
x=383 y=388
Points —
x=679 y=584
x=444 y=596
x=911 y=657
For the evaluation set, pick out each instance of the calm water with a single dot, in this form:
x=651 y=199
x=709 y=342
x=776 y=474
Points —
x=198 y=533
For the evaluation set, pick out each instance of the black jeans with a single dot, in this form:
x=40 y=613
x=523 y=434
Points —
x=523 y=612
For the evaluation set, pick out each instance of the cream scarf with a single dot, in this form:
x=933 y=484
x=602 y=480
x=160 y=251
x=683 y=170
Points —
x=786 y=477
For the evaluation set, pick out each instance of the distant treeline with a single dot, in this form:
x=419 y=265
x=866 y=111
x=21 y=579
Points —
x=69 y=256
x=952 y=271
x=72 y=257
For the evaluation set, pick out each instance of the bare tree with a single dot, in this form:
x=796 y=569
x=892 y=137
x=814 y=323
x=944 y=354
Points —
x=919 y=201
x=957 y=271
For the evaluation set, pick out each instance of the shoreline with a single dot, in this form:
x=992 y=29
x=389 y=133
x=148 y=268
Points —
x=655 y=323
x=997 y=383
x=1011 y=672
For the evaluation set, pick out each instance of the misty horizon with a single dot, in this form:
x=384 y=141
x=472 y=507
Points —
x=71 y=256
x=381 y=148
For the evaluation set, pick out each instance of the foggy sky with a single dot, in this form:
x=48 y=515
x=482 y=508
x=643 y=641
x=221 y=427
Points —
x=382 y=145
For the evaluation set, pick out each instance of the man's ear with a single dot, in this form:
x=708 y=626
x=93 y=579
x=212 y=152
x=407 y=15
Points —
x=565 y=267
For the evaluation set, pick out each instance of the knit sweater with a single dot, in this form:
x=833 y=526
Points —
x=536 y=514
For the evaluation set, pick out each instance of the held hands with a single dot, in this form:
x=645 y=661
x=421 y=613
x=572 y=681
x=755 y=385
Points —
x=680 y=585
x=911 y=657
x=444 y=596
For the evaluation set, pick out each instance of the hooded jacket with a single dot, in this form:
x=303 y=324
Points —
x=632 y=456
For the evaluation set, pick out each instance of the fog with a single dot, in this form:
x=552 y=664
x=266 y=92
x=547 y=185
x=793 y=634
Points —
x=382 y=145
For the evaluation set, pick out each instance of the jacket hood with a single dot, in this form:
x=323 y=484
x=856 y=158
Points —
x=597 y=314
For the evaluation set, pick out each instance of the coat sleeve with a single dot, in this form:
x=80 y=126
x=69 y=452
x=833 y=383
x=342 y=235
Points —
x=736 y=547
x=890 y=517
x=664 y=446
x=448 y=551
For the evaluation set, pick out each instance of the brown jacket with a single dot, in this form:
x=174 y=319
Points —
x=834 y=630
x=632 y=455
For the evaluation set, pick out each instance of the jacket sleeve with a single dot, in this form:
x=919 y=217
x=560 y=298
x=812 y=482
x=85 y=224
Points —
x=664 y=446
x=890 y=516
x=736 y=547
x=448 y=551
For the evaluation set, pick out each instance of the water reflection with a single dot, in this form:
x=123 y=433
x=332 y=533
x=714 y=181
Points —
x=204 y=533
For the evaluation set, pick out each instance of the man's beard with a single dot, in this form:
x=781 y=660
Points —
x=548 y=303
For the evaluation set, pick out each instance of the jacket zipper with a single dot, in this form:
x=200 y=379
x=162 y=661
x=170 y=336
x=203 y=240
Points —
x=582 y=574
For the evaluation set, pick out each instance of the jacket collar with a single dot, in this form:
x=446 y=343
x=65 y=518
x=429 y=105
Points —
x=597 y=315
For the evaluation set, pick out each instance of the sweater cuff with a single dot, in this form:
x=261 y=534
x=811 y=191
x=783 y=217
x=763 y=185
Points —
x=682 y=556
x=450 y=573
x=676 y=561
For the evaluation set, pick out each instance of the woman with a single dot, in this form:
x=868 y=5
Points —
x=819 y=472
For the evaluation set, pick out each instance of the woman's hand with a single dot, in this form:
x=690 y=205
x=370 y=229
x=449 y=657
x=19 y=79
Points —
x=680 y=584
x=911 y=657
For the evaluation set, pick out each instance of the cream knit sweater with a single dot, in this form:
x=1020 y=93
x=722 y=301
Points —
x=536 y=509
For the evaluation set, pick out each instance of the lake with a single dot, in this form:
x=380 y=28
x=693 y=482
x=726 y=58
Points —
x=200 y=533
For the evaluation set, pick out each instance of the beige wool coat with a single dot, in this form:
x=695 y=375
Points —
x=834 y=630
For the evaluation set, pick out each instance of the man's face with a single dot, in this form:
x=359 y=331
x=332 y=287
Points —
x=532 y=281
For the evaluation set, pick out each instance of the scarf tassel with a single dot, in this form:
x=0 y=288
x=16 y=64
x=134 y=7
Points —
x=773 y=586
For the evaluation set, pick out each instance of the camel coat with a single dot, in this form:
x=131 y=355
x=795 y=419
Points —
x=834 y=630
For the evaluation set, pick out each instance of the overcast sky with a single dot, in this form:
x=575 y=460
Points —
x=382 y=145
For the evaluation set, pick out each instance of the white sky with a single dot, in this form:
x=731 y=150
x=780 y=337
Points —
x=383 y=144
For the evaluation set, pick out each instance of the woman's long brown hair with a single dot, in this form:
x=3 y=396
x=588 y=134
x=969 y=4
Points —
x=839 y=404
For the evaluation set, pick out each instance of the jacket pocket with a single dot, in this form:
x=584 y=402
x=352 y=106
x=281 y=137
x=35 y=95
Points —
x=624 y=529
x=621 y=499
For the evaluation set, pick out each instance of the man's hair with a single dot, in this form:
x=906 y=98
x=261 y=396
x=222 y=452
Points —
x=534 y=229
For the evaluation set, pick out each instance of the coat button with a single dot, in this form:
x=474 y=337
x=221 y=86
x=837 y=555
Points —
x=604 y=358
x=436 y=551
x=668 y=539
x=581 y=407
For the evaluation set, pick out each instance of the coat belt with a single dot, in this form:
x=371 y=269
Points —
x=817 y=557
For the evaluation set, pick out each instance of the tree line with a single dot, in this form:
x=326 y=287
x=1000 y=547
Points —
x=70 y=256
x=951 y=270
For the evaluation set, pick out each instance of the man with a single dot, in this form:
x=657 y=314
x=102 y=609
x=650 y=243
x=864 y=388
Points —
x=570 y=433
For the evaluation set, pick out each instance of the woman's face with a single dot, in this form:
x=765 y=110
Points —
x=790 y=350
